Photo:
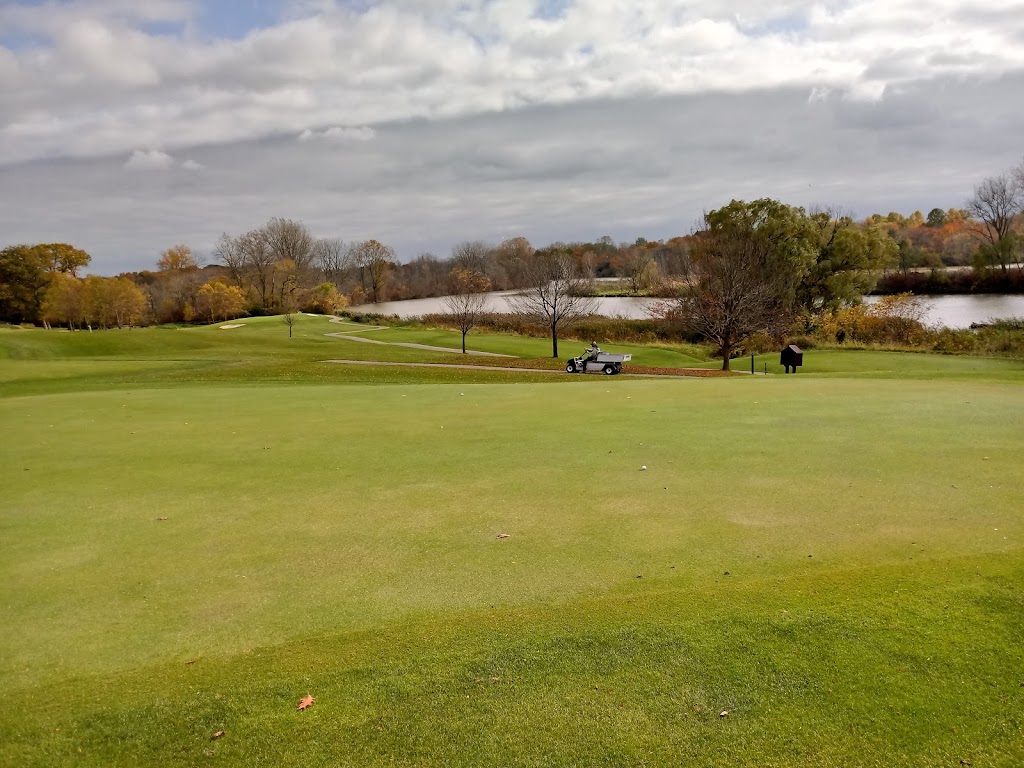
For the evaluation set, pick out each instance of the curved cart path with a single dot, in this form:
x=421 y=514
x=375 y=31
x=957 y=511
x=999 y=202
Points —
x=350 y=335
x=497 y=368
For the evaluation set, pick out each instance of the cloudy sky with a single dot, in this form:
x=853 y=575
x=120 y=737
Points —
x=129 y=125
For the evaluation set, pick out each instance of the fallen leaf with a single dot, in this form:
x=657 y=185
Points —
x=163 y=518
x=504 y=536
x=724 y=713
x=306 y=702
x=192 y=661
x=217 y=735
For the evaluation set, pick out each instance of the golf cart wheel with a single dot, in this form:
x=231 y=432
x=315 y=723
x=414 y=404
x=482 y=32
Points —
x=570 y=367
x=609 y=370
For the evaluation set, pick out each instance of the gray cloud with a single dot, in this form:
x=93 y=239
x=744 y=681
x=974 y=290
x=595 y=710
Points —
x=626 y=167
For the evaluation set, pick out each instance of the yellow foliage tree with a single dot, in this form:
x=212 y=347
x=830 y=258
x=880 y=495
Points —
x=218 y=300
x=63 y=302
x=326 y=298
x=112 y=301
x=176 y=257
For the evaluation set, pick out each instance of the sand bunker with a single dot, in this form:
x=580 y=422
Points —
x=231 y=325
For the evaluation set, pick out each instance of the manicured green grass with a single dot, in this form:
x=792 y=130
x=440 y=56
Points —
x=835 y=561
x=903 y=365
x=521 y=346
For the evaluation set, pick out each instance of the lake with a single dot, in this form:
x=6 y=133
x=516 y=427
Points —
x=950 y=311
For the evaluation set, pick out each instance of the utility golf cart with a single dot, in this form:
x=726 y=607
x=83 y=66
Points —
x=606 y=363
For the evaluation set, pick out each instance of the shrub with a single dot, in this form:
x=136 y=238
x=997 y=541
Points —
x=804 y=342
x=953 y=341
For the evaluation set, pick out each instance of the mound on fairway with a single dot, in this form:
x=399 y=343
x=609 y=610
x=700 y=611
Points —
x=835 y=562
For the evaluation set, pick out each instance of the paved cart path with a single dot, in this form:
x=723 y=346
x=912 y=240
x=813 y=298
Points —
x=359 y=328
x=500 y=368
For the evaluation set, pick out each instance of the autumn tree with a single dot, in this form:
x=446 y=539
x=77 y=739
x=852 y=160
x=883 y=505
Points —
x=745 y=263
x=556 y=290
x=467 y=299
x=273 y=260
x=64 y=301
x=327 y=299
x=219 y=300
x=25 y=272
x=62 y=258
x=375 y=262
x=23 y=282
x=177 y=257
x=112 y=301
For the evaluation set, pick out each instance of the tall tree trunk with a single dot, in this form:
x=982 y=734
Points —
x=554 y=341
x=726 y=356
x=464 y=342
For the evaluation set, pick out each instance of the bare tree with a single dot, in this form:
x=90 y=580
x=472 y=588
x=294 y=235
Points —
x=289 y=239
x=375 y=261
x=554 y=297
x=995 y=203
x=333 y=258
x=472 y=255
x=228 y=252
x=467 y=300
x=637 y=267
x=511 y=258
x=260 y=260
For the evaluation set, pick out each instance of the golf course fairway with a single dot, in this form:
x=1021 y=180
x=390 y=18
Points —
x=472 y=569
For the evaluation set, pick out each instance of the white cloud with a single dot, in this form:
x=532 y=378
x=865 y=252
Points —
x=451 y=119
x=340 y=134
x=149 y=160
x=100 y=84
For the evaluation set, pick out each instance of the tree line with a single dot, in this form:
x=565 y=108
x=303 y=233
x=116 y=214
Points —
x=745 y=268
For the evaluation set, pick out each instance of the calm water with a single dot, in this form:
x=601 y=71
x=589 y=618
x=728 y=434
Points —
x=961 y=311
x=951 y=311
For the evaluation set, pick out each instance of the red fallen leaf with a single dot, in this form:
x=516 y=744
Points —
x=306 y=702
x=217 y=735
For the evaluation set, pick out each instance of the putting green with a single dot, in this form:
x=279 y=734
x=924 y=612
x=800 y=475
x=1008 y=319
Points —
x=200 y=527
x=834 y=562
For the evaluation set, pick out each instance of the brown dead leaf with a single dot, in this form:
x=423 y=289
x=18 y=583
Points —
x=217 y=735
x=724 y=713
x=163 y=518
x=504 y=536
x=306 y=702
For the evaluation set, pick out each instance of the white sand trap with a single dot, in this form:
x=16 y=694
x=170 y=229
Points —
x=231 y=325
